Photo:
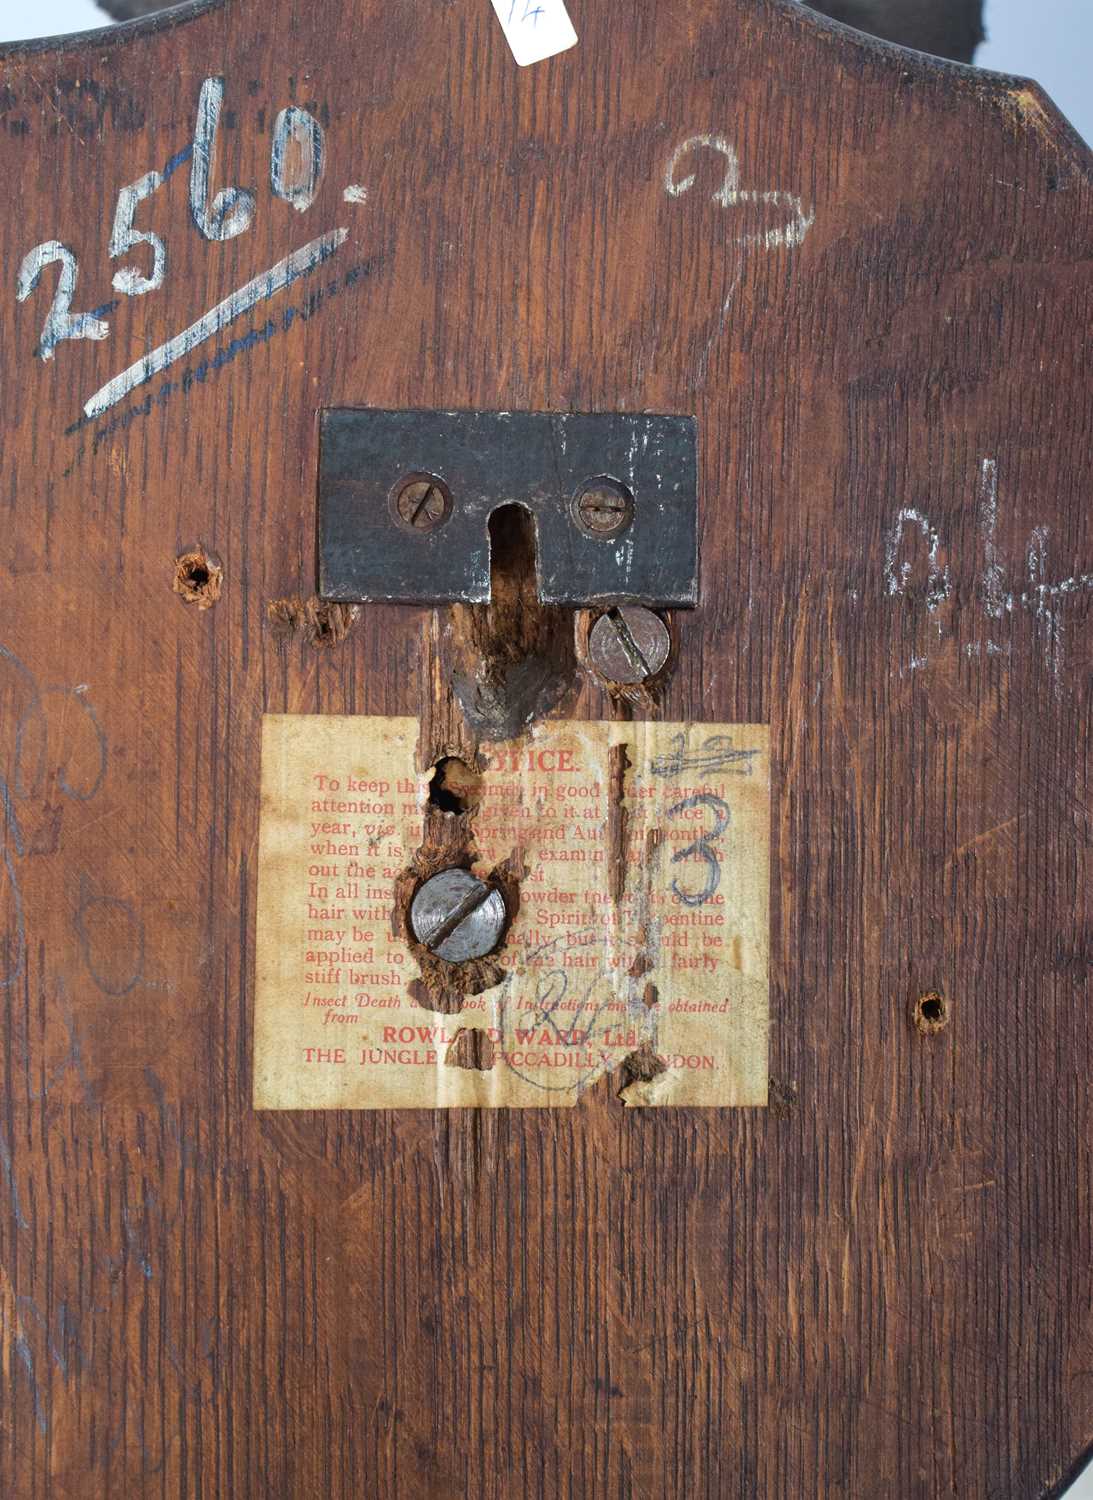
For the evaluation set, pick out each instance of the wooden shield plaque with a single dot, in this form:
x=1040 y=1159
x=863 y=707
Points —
x=288 y=1205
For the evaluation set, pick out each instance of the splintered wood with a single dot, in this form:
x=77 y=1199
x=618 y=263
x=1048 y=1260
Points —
x=637 y=945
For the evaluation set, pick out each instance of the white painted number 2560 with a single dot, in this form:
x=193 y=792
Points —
x=229 y=213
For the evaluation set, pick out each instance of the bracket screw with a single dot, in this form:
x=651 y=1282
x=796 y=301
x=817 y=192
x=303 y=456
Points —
x=604 y=507
x=422 y=502
x=457 y=916
x=629 y=644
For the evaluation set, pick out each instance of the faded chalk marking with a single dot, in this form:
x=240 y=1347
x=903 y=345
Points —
x=194 y=375
x=300 y=263
x=125 y=236
x=1042 y=599
x=726 y=307
x=996 y=601
x=232 y=210
x=297 y=160
x=939 y=586
x=1046 y=618
x=730 y=194
x=297 y=156
x=60 y=323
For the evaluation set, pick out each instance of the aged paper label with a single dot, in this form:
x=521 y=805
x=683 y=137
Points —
x=639 y=948
x=535 y=29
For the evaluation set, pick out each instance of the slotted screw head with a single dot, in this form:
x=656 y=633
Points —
x=457 y=916
x=422 y=502
x=629 y=644
x=604 y=507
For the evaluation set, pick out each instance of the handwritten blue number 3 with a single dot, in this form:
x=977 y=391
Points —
x=703 y=846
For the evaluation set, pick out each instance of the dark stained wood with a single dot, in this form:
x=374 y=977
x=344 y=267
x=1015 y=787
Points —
x=882 y=1285
x=947 y=28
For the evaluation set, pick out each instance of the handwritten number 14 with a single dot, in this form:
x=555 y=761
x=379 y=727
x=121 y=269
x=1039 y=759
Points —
x=531 y=11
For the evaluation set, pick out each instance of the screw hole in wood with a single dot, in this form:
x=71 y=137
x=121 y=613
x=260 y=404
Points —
x=930 y=1013
x=455 y=787
x=198 y=578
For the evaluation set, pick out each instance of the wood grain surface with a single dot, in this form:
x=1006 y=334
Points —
x=881 y=1285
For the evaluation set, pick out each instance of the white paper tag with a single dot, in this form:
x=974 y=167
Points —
x=536 y=29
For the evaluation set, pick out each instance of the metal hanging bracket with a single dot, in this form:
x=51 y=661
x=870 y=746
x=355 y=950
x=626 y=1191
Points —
x=405 y=499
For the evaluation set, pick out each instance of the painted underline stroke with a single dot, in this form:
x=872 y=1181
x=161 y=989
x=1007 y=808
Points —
x=300 y=263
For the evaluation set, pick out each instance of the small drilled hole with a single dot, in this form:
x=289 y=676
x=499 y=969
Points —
x=455 y=788
x=931 y=1013
x=198 y=578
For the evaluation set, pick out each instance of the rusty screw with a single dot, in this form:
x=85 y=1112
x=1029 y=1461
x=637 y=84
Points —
x=457 y=915
x=604 y=507
x=629 y=644
x=422 y=502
